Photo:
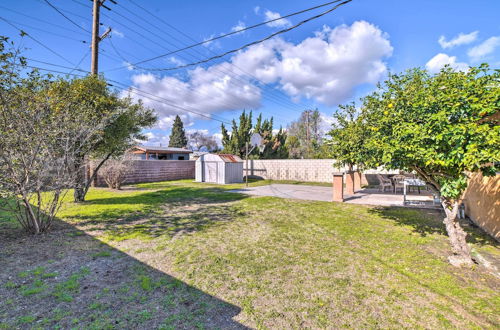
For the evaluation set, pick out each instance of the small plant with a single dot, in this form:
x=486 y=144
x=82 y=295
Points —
x=114 y=171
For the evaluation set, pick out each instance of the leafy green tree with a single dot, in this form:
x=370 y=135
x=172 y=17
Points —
x=440 y=127
x=178 y=137
x=346 y=143
x=42 y=139
x=124 y=120
x=235 y=143
x=275 y=144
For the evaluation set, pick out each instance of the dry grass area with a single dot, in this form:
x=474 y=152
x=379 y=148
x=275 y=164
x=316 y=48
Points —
x=187 y=255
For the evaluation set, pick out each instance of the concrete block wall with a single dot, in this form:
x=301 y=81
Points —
x=155 y=170
x=308 y=170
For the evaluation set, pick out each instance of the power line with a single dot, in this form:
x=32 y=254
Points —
x=280 y=99
x=237 y=79
x=251 y=27
x=40 y=20
x=35 y=40
x=141 y=93
x=46 y=31
x=66 y=17
x=56 y=65
x=76 y=68
x=249 y=44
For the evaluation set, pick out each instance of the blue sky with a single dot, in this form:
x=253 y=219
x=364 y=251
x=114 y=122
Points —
x=334 y=59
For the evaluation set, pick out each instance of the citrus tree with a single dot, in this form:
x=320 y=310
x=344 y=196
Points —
x=441 y=126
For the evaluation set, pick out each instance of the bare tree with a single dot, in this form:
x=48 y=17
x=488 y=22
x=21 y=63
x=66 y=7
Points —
x=38 y=144
x=114 y=171
x=198 y=141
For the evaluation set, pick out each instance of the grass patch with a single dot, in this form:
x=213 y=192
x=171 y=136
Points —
x=199 y=256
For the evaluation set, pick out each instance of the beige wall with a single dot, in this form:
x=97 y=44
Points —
x=156 y=170
x=482 y=203
x=308 y=170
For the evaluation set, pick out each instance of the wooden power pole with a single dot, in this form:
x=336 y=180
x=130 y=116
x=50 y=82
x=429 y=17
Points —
x=94 y=66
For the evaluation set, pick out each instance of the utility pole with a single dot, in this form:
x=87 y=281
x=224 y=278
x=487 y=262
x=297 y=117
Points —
x=94 y=66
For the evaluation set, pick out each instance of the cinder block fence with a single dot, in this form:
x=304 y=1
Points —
x=155 y=170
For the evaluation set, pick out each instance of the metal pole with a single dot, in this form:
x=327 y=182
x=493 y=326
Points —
x=246 y=160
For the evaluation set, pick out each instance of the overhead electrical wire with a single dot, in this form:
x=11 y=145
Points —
x=279 y=99
x=231 y=105
x=251 y=43
x=251 y=27
x=37 y=41
x=40 y=20
x=47 y=31
x=66 y=17
x=126 y=88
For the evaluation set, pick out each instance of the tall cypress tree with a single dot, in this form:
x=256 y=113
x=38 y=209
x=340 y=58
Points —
x=178 y=136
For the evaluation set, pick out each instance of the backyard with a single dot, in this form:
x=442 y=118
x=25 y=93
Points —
x=187 y=255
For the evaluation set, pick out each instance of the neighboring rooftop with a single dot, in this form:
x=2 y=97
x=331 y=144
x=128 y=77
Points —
x=159 y=149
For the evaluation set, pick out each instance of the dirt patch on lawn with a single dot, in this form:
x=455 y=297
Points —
x=68 y=278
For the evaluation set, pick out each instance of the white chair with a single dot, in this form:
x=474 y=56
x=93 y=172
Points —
x=384 y=183
x=398 y=181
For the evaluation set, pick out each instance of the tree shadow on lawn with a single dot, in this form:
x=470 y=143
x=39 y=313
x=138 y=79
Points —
x=68 y=278
x=428 y=222
x=165 y=212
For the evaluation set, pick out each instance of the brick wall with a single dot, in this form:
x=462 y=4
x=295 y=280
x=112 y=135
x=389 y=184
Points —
x=156 y=170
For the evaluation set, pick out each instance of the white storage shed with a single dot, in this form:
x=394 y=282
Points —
x=221 y=169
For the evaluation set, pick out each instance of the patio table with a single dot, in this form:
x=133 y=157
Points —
x=412 y=183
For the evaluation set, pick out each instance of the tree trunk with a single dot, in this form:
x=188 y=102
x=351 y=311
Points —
x=94 y=174
x=461 y=250
x=79 y=193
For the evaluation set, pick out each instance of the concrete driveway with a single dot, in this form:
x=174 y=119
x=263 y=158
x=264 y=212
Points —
x=325 y=194
x=294 y=191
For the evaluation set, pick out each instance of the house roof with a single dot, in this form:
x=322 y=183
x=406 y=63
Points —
x=154 y=149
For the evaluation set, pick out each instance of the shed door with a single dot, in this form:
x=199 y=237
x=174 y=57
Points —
x=211 y=171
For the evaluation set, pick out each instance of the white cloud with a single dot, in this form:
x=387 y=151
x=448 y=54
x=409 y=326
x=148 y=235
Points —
x=485 y=48
x=206 y=42
x=269 y=15
x=176 y=61
x=241 y=25
x=460 y=39
x=206 y=91
x=436 y=63
x=326 y=68
x=129 y=66
x=256 y=10
x=153 y=139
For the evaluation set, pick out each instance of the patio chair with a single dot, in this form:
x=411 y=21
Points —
x=384 y=183
x=398 y=181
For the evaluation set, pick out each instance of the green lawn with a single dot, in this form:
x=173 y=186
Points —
x=187 y=255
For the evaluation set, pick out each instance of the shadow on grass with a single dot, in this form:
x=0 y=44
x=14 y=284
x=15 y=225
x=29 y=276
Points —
x=82 y=282
x=167 y=212
x=428 y=222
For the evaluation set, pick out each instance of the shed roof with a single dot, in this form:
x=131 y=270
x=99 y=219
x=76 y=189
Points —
x=226 y=158
x=167 y=150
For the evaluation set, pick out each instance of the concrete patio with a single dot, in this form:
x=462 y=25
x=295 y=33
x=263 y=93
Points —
x=365 y=196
